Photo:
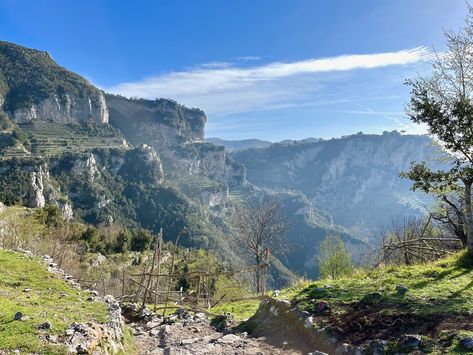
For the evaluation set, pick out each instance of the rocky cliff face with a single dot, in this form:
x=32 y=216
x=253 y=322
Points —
x=34 y=87
x=86 y=168
x=160 y=123
x=177 y=134
x=355 y=179
x=36 y=194
x=64 y=109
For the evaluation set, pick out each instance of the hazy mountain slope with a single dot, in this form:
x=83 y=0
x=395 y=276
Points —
x=234 y=145
x=354 y=179
x=201 y=170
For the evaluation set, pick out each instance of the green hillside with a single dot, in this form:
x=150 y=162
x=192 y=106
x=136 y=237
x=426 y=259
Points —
x=27 y=287
x=27 y=76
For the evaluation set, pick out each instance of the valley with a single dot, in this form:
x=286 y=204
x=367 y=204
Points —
x=129 y=226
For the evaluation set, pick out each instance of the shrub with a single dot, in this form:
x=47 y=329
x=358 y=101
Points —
x=141 y=239
x=334 y=259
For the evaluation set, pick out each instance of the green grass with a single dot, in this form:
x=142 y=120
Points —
x=447 y=284
x=439 y=294
x=242 y=310
x=50 y=299
x=129 y=345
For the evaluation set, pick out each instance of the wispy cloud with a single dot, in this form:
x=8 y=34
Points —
x=224 y=89
x=214 y=65
x=249 y=58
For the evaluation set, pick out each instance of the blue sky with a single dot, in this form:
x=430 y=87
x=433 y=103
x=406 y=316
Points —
x=264 y=69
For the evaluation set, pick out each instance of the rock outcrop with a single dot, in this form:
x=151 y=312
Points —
x=86 y=167
x=34 y=87
x=36 y=194
x=91 y=337
x=65 y=109
x=276 y=319
x=160 y=123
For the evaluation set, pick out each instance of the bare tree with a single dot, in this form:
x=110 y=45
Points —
x=413 y=240
x=260 y=228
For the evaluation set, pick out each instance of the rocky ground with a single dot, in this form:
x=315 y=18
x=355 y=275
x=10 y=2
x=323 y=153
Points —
x=183 y=333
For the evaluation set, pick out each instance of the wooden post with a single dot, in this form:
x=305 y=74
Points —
x=198 y=290
x=103 y=285
x=265 y=267
x=155 y=251
x=171 y=273
x=156 y=286
x=140 y=286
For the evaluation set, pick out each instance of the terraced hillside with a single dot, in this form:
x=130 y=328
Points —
x=49 y=138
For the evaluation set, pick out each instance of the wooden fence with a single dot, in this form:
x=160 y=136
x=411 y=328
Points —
x=154 y=287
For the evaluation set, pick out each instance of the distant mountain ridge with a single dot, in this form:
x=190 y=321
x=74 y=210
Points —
x=234 y=145
x=238 y=145
x=355 y=179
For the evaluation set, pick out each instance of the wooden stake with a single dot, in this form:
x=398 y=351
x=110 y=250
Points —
x=155 y=251
x=171 y=274
x=160 y=242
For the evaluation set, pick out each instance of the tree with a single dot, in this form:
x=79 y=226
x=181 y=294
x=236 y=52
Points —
x=123 y=241
x=444 y=103
x=413 y=240
x=334 y=258
x=260 y=227
x=450 y=216
x=141 y=239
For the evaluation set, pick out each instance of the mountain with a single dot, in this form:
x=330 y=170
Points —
x=33 y=86
x=354 y=180
x=106 y=159
x=234 y=145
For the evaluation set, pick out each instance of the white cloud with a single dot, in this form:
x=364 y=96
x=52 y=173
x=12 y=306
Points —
x=249 y=58
x=221 y=88
x=214 y=65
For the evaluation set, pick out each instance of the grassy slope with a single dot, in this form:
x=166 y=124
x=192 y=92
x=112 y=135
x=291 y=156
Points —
x=49 y=299
x=439 y=303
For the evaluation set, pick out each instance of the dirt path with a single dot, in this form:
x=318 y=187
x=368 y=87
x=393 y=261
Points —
x=193 y=334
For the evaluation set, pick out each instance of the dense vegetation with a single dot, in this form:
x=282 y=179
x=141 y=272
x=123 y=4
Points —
x=28 y=76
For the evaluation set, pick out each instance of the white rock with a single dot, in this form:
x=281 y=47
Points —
x=228 y=339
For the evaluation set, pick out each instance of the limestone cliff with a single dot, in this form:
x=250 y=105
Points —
x=177 y=134
x=34 y=87
x=160 y=123
x=64 y=109
x=354 y=179
x=36 y=193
